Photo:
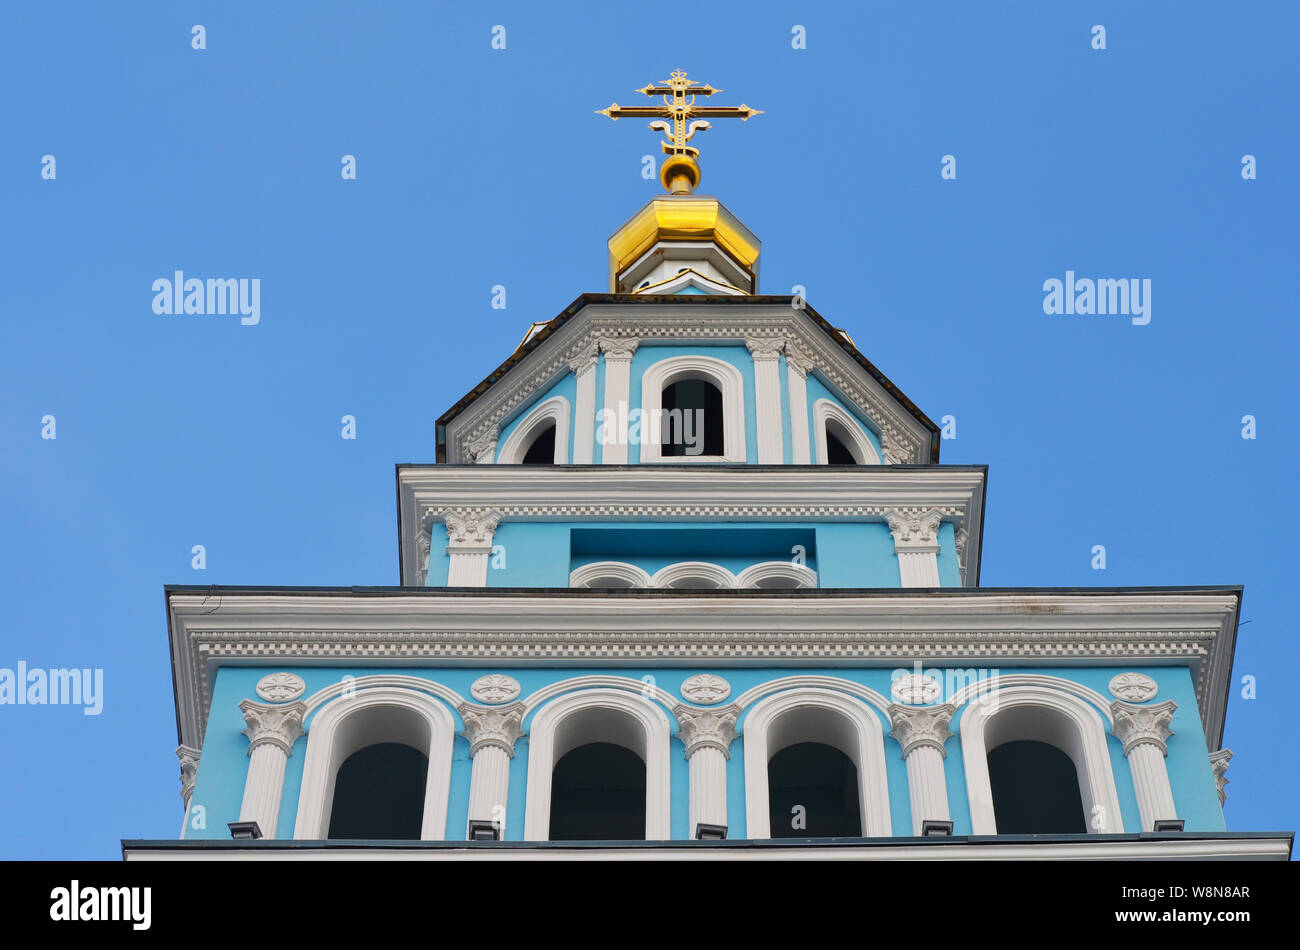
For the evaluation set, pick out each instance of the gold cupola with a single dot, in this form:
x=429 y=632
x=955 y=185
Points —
x=682 y=240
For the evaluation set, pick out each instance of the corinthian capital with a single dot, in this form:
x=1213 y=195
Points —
x=584 y=360
x=470 y=527
x=1219 y=763
x=711 y=728
x=798 y=361
x=618 y=347
x=278 y=724
x=916 y=726
x=190 y=767
x=483 y=448
x=496 y=726
x=1135 y=724
x=897 y=452
x=765 y=348
x=914 y=529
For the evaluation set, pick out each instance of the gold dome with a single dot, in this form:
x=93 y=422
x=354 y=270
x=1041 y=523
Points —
x=682 y=218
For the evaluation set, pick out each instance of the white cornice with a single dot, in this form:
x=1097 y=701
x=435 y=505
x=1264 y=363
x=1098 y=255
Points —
x=394 y=627
x=905 y=438
x=1095 y=847
x=762 y=493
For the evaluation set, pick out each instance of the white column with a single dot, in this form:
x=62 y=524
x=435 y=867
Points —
x=584 y=411
x=922 y=731
x=618 y=392
x=469 y=544
x=272 y=729
x=767 y=397
x=189 y=757
x=491 y=733
x=707 y=735
x=916 y=542
x=1144 y=731
x=798 y=366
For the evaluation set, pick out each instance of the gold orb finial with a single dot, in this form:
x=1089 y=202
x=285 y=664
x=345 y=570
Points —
x=680 y=173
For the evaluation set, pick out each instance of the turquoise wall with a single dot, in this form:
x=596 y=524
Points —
x=224 y=763
x=542 y=553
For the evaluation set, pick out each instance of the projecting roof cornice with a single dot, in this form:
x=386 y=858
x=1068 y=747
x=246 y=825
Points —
x=979 y=628
x=605 y=493
x=907 y=434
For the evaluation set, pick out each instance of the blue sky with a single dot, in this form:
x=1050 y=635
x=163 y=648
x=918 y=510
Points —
x=478 y=167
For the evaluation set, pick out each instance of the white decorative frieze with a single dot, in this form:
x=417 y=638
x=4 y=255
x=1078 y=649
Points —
x=915 y=689
x=494 y=688
x=280 y=687
x=279 y=725
x=1133 y=687
x=705 y=689
x=1138 y=725
x=1219 y=763
x=707 y=729
x=924 y=726
x=498 y=727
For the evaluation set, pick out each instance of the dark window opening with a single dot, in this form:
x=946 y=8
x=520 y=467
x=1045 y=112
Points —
x=598 y=794
x=692 y=419
x=542 y=451
x=813 y=793
x=1035 y=790
x=837 y=453
x=379 y=794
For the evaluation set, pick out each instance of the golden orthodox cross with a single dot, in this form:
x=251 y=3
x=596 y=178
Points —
x=680 y=173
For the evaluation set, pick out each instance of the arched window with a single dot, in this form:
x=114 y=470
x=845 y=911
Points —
x=813 y=793
x=840 y=438
x=766 y=575
x=541 y=437
x=693 y=410
x=379 y=793
x=1039 y=714
x=692 y=421
x=817 y=717
x=355 y=724
x=594 y=717
x=598 y=794
x=542 y=449
x=1035 y=790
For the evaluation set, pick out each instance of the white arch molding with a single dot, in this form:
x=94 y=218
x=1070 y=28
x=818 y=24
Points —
x=598 y=715
x=767 y=575
x=371 y=716
x=1041 y=714
x=813 y=714
x=550 y=411
x=830 y=416
x=720 y=373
